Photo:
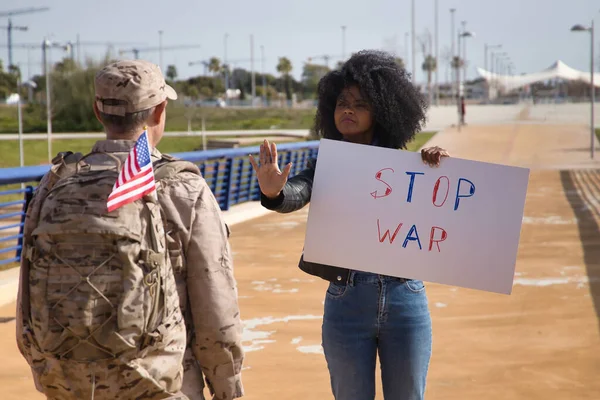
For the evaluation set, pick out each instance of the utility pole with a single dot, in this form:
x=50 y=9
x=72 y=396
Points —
x=45 y=45
x=226 y=67
x=160 y=50
x=406 y=35
x=485 y=63
x=437 y=56
x=47 y=72
x=264 y=79
x=343 y=42
x=414 y=68
x=464 y=56
x=10 y=26
x=452 y=11
x=593 y=91
x=252 y=68
x=20 y=118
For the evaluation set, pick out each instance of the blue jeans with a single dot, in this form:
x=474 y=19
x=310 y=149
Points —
x=370 y=314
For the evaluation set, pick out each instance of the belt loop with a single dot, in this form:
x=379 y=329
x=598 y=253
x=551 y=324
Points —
x=350 y=280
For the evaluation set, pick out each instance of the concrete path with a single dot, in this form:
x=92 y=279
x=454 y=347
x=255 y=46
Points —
x=541 y=342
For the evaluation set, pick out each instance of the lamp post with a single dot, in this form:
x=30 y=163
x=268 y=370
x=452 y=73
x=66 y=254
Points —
x=46 y=44
x=226 y=68
x=452 y=11
x=262 y=69
x=485 y=63
x=464 y=34
x=160 y=50
x=253 y=90
x=412 y=23
x=581 y=28
x=437 y=56
x=20 y=118
x=343 y=42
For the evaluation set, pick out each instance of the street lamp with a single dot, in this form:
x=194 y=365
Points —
x=343 y=42
x=464 y=34
x=581 y=28
x=46 y=44
x=160 y=50
x=262 y=69
x=226 y=67
x=490 y=47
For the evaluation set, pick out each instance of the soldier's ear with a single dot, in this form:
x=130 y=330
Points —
x=97 y=112
x=159 y=110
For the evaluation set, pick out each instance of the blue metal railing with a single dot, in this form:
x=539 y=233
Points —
x=228 y=173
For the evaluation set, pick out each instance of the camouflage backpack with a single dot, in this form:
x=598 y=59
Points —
x=103 y=317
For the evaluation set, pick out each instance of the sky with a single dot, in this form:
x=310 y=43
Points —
x=533 y=33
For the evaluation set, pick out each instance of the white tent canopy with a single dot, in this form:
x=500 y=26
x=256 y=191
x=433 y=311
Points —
x=557 y=70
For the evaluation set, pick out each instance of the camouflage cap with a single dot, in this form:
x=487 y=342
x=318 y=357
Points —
x=130 y=86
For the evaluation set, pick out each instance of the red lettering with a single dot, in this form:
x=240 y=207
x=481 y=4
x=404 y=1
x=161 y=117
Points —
x=391 y=238
x=388 y=189
x=437 y=187
x=436 y=241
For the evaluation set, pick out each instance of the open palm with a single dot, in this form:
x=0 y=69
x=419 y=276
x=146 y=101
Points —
x=270 y=178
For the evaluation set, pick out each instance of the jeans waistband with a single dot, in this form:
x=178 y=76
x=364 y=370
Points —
x=369 y=277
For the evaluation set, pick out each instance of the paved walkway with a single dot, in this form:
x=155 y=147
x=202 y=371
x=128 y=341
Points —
x=541 y=342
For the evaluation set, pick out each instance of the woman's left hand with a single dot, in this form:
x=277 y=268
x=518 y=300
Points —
x=433 y=155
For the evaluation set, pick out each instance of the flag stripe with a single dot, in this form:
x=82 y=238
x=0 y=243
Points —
x=129 y=197
x=123 y=190
x=130 y=170
x=143 y=175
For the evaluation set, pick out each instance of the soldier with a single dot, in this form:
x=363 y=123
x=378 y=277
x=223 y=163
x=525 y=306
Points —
x=81 y=263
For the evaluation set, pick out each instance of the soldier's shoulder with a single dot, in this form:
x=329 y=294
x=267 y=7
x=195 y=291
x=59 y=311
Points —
x=183 y=182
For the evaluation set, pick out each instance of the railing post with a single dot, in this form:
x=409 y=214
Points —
x=28 y=196
x=228 y=181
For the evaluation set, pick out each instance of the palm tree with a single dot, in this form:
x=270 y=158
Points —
x=284 y=67
x=429 y=66
x=214 y=65
x=171 y=72
x=400 y=62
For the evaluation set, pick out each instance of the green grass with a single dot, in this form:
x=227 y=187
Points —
x=177 y=119
x=419 y=141
x=36 y=152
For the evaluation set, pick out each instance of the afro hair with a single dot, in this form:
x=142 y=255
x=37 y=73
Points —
x=399 y=110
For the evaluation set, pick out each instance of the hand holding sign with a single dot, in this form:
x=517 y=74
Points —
x=270 y=178
x=433 y=155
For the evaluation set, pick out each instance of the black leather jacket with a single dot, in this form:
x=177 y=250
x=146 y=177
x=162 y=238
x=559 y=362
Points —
x=295 y=195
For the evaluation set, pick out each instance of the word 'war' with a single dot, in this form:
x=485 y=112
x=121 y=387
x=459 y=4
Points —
x=436 y=235
x=465 y=188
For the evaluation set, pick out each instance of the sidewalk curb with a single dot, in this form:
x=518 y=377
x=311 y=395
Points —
x=9 y=279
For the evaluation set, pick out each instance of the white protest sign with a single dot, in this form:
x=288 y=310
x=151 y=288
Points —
x=385 y=211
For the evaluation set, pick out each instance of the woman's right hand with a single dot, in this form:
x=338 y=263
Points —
x=270 y=178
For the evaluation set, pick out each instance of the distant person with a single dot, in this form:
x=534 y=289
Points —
x=463 y=110
x=139 y=302
x=369 y=101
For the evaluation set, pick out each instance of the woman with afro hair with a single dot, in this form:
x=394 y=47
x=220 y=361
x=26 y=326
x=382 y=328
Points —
x=370 y=100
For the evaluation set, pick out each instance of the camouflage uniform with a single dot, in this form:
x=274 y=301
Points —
x=197 y=241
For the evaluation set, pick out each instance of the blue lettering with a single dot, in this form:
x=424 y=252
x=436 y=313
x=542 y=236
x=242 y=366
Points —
x=410 y=237
x=411 y=184
x=458 y=195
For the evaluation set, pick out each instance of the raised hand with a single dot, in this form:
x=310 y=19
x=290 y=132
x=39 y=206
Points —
x=270 y=178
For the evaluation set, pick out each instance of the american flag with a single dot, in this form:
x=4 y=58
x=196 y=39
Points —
x=136 y=178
